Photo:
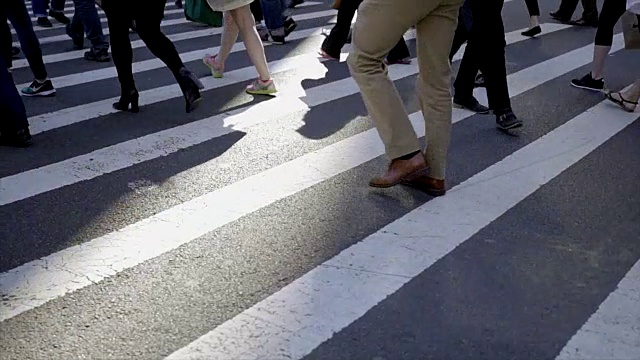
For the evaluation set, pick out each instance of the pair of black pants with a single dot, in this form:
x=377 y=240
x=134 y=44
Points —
x=465 y=19
x=7 y=43
x=568 y=7
x=147 y=15
x=485 y=52
x=532 y=7
x=16 y=12
x=256 y=10
x=14 y=115
x=333 y=44
x=612 y=11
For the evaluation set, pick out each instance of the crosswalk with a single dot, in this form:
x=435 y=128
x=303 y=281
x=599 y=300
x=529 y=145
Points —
x=246 y=229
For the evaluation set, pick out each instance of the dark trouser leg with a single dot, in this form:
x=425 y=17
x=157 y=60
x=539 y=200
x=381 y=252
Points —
x=333 y=44
x=21 y=21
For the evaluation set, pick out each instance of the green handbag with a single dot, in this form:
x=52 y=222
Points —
x=199 y=11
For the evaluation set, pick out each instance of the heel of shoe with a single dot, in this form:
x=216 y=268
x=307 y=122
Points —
x=191 y=86
x=126 y=99
x=134 y=103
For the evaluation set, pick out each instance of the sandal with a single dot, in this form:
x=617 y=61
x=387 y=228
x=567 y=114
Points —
x=211 y=62
x=625 y=104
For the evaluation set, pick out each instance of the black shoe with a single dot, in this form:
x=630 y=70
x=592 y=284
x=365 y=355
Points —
x=289 y=26
x=15 y=51
x=39 y=89
x=20 y=138
x=532 y=32
x=59 y=16
x=587 y=82
x=190 y=86
x=507 y=120
x=560 y=17
x=130 y=96
x=471 y=104
x=44 y=22
x=97 y=55
x=278 y=36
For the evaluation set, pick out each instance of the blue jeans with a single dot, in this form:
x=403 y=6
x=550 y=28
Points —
x=86 y=21
x=16 y=12
x=39 y=8
x=11 y=105
x=274 y=12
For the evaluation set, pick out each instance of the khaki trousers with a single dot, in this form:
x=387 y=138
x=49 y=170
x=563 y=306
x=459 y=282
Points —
x=379 y=25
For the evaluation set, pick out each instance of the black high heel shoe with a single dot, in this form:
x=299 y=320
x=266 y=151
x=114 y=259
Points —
x=130 y=97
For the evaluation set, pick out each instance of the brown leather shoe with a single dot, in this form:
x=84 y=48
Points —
x=398 y=171
x=423 y=182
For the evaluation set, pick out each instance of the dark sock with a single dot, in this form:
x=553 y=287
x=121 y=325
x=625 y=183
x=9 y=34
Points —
x=409 y=156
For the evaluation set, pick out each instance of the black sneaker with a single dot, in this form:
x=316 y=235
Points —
x=59 y=16
x=508 y=121
x=471 y=104
x=97 y=55
x=589 y=83
x=44 y=22
x=20 y=138
x=39 y=89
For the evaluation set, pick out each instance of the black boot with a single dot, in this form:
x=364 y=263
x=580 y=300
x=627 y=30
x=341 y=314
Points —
x=191 y=86
x=128 y=96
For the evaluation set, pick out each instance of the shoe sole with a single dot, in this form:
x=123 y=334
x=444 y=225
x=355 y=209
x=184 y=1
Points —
x=473 y=111
x=42 y=93
x=587 y=88
x=512 y=127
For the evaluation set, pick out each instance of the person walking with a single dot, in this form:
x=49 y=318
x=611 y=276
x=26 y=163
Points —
x=435 y=22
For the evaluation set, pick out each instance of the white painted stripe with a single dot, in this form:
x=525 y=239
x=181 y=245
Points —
x=129 y=153
x=76 y=114
x=34 y=283
x=101 y=13
x=154 y=63
x=105 y=31
x=169 y=9
x=169 y=22
x=613 y=331
x=79 y=54
x=292 y=322
x=208 y=31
